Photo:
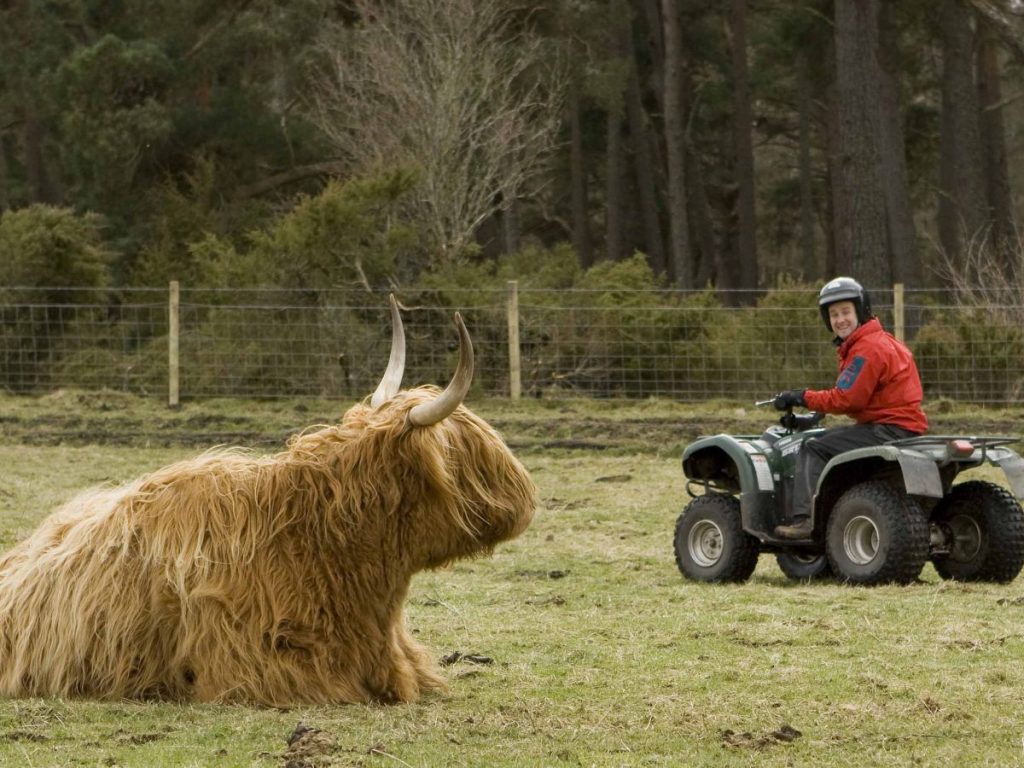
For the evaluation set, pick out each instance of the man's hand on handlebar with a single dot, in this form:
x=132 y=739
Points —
x=786 y=400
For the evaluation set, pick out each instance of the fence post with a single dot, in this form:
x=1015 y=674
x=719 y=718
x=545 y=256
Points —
x=173 y=320
x=897 y=311
x=515 y=380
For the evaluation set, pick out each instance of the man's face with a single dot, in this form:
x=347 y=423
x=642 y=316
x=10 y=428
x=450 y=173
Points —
x=843 y=317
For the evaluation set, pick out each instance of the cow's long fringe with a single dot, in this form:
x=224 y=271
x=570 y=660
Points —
x=275 y=580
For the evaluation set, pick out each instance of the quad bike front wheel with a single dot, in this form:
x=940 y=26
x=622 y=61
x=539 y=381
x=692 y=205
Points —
x=710 y=543
x=983 y=525
x=876 y=535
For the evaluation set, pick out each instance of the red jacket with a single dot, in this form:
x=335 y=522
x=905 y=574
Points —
x=878 y=382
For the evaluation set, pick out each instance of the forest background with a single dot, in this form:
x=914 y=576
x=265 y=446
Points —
x=730 y=142
x=732 y=146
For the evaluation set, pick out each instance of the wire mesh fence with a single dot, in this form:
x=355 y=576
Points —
x=688 y=346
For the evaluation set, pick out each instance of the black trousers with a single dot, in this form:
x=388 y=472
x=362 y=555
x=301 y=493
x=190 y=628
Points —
x=817 y=451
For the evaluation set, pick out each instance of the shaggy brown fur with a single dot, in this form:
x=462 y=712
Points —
x=277 y=580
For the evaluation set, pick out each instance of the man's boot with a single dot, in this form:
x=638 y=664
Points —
x=800 y=528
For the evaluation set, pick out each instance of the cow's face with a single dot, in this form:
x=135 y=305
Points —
x=452 y=489
x=455 y=488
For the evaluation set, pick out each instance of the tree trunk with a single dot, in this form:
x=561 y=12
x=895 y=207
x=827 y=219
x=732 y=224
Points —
x=808 y=259
x=578 y=185
x=861 y=235
x=614 y=216
x=657 y=46
x=993 y=144
x=742 y=126
x=33 y=138
x=706 y=260
x=510 y=226
x=290 y=176
x=681 y=261
x=705 y=252
x=834 y=218
x=5 y=199
x=643 y=165
x=962 y=208
x=906 y=267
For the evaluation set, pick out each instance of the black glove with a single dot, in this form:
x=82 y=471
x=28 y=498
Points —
x=786 y=400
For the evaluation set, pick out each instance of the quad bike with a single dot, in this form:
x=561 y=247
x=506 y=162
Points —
x=878 y=513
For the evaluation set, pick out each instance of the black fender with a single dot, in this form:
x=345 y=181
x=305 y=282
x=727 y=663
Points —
x=917 y=471
x=740 y=466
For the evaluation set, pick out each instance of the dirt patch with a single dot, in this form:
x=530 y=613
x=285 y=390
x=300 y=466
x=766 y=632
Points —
x=467 y=658
x=31 y=736
x=138 y=738
x=309 y=747
x=782 y=735
x=539 y=574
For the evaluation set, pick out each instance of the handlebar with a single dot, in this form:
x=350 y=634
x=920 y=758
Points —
x=800 y=422
x=795 y=422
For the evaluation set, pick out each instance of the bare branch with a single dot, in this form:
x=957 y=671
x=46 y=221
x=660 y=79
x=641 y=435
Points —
x=986 y=275
x=222 y=23
x=1010 y=29
x=447 y=88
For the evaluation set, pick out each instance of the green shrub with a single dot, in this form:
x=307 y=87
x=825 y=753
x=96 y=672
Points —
x=617 y=337
x=300 y=342
x=971 y=355
x=52 y=258
x=183 y=217
x=779 y=343
x=98 y=367
x=48 y=248
x=351 y=234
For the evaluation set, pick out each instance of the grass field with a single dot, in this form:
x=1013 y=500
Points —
x=579 y=643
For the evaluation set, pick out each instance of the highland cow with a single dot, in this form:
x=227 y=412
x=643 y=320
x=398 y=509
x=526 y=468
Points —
x=274 y=580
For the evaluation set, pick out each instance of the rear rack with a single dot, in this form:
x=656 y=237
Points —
x=977 y=442
x=984 y=444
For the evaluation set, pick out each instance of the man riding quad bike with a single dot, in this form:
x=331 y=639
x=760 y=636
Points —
x=878 y=513
x=880 y=389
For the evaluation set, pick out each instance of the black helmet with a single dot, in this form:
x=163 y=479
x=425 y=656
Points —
x=844 y=289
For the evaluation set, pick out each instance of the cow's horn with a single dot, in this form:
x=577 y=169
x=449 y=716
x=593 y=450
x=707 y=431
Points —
x=392 y=380
x=442 y=406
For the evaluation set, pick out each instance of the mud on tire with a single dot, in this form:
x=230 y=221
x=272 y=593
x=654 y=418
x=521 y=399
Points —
x=877 y=535
x=710 y=543
x=986 y=526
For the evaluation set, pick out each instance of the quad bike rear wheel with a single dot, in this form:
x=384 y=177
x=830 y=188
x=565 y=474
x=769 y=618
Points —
x=803 y=567
x=877 y=535
x=984 y=527
x=710 y=543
